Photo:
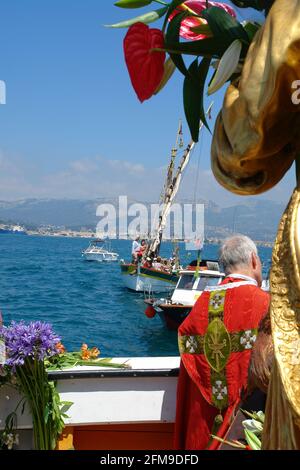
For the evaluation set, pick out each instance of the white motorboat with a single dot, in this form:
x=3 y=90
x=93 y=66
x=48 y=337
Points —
x=190 y=286
x=100 y=250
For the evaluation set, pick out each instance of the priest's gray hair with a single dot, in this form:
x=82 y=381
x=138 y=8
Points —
x=236 y=251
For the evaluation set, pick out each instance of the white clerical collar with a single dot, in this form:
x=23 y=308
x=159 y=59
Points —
x=242 y=276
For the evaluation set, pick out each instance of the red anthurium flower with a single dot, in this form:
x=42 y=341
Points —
x=191 y=22
x=145 y=67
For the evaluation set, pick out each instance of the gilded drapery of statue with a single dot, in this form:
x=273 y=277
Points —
x=256 y=140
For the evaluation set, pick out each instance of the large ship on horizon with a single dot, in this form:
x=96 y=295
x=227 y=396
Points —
x=12 y=229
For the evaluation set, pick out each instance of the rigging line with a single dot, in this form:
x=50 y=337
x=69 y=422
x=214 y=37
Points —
x=198 y=168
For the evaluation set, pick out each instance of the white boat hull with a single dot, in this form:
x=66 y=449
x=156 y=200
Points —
x=141 y=283
x=101 y=257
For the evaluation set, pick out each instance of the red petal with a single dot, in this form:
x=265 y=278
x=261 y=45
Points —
x=190 y=22
x=146 y=68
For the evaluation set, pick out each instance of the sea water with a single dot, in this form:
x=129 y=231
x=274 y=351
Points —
x=47 y=279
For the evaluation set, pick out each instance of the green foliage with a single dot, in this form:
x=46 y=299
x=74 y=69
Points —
x=132 y=3
x=172 y=41
x=251 y=29
x=220 y=32
x=223 y=26
x=146 y=18
x=9 y=436
x=55 y=413
x=72 y=359
x=47 y=411
x=252 y=440
x=172 y=6
x=193 y=89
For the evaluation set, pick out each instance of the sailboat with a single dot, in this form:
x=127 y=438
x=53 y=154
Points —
x=141 y=277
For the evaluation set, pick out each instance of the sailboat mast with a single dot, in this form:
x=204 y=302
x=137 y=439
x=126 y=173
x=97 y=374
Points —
x=169 y=177
x=171 y=190
x=169 y=198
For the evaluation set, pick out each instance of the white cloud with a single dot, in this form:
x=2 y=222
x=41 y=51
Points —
x=131 y=168
x=99 y=177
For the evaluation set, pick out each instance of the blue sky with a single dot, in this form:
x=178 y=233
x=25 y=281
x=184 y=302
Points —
x=72 y=125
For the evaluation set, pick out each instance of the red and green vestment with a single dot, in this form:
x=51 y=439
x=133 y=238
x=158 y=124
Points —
x=215 y=343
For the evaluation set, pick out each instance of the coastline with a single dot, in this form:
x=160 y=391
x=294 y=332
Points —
x=90 y=235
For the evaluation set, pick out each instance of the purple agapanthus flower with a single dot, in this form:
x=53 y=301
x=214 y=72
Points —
x=36 y=340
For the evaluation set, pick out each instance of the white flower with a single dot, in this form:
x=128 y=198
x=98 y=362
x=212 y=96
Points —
x=9 y=441
x=253 y=425
x=261 y=415
x=227 y=66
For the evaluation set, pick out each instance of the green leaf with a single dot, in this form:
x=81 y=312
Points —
x=46 y=413
x=210 y=47
x=147 y=18
x=223 y=26
x=193 y=89
x=132 y=3
x=174 y=4
x=68 y=403
x=252 y=440
x=172 y=37
x=251 y=29
x=202 y=29
x=65 y=408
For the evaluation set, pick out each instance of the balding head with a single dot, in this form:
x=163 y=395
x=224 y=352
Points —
x=238 y=254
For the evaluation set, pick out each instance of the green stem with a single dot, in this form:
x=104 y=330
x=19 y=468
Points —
x=27 y=390
x=39 y=399
x=161 y=2
x=32 y=392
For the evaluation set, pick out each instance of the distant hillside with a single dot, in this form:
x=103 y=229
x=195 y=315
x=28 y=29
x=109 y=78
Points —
x=259 y=220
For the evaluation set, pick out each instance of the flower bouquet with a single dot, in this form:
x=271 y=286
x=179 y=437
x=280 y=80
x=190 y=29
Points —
x=84 y=357
x=253 y=429
x=204 y=29
x=27 y=347
x=31 y=350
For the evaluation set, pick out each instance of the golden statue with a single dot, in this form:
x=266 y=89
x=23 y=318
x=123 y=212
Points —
x=256 y=140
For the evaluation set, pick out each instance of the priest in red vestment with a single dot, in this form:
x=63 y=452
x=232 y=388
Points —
x=215 y=343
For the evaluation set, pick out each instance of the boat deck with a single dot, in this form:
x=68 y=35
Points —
x=113 y=408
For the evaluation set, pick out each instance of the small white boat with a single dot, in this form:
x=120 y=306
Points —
x=189 y=287
x=100 y=250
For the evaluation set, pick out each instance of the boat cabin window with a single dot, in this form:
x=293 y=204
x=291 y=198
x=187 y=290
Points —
x=205 y=281
x=186 y=282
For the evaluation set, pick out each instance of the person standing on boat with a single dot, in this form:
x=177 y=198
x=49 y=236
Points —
x=141 y=249
x=135 y=249
x=215 y=343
